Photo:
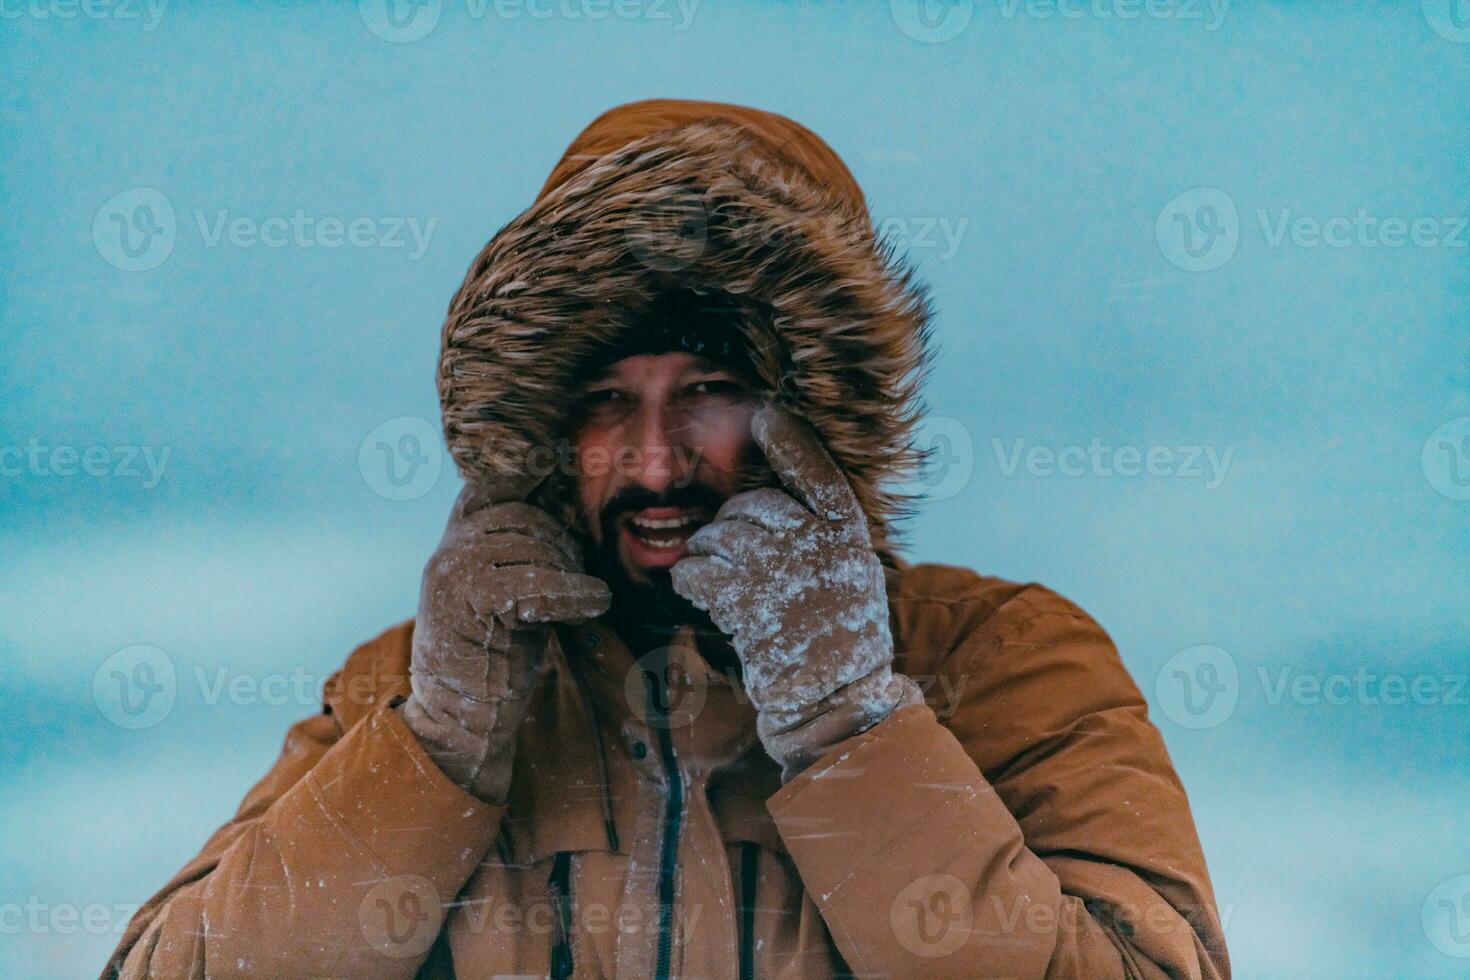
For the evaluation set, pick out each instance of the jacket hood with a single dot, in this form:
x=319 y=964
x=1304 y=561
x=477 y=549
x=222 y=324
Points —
x=744 y=206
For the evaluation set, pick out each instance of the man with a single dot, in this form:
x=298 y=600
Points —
x=673 y=705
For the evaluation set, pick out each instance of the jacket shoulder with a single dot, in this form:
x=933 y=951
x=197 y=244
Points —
x=375 y=673
x=950 y=617
x=956 y=585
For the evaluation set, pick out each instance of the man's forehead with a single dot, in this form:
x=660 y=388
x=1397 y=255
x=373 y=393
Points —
x=658 y=365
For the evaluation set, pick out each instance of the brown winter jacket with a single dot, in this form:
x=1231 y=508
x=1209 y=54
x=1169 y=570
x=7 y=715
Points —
x=1024 y=822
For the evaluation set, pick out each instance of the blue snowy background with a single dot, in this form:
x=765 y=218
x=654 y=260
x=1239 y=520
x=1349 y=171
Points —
x=1201 y=274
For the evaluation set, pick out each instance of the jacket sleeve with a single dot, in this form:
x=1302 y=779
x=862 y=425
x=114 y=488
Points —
x=1039 y=831
x=338 y=863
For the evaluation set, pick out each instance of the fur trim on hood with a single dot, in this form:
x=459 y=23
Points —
x=741 y=205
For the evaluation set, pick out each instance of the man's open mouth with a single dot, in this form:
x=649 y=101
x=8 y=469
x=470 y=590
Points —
x=655 y=537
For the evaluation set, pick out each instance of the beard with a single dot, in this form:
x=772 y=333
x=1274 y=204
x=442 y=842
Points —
x=646 y=611
x=644 y=604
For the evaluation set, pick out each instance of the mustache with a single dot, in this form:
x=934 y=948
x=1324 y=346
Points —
x=636 y=498
x=754 y=471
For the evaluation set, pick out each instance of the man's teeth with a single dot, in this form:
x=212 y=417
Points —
x=649 y=523
x=646 y=526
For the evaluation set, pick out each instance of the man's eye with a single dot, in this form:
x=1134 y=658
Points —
x=603 y=396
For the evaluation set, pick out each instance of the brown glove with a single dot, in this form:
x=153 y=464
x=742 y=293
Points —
x=503 y=573
x=800 y=592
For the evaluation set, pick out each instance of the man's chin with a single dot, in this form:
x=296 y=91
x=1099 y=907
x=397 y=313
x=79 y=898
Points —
x=644 y=599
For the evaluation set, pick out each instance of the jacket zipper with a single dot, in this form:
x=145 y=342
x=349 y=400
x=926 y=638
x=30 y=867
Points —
x=560 y=888
x=749 y=856
x=673 y=815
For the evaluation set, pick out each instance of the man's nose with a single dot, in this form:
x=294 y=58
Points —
x=660 y=455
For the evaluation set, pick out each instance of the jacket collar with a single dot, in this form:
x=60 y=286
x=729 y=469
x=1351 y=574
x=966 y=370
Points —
x=590 y=736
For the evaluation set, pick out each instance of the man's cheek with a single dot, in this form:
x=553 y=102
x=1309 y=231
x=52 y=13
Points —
x=721 y=432
x=688 y=462
x=718 y=457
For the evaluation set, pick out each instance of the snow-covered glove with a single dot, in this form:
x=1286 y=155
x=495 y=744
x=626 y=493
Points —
x=503 y=573
x=797 y=587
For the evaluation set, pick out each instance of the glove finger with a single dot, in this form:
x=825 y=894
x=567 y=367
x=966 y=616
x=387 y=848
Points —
x=735 y=541
x=797 y=455
x=533 y=521
x=505 y=637
x=701 y=580
x=768 y=508
x=547 y=595
x=520 y=518
x=506 y=550
x=570 y=608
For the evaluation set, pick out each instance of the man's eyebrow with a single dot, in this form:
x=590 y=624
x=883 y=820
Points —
x=603 y=376
x=705 y=366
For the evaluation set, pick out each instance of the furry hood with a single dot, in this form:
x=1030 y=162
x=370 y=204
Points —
x=734 y=203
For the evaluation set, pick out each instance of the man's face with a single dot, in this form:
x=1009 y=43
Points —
x=659 y=440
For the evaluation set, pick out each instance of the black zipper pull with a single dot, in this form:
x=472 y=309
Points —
x=560 y=888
